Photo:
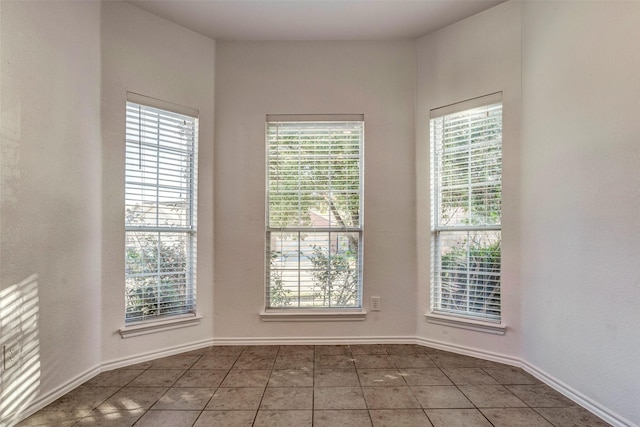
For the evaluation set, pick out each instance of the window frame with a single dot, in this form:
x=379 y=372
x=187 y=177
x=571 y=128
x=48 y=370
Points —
x=301 y=312
x=180 y=164
x=446 y=316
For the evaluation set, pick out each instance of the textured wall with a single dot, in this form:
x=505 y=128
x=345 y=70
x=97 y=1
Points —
x=475 y=57
x=50 y=215
x=580 y=198
x=370 y=78
x=147 y=55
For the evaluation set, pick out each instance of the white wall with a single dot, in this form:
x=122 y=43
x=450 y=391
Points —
x=475 y=57
x=145 y=54
x=581 y=199
x=50 y=214
x=570 y=222
x=255 y=79
x=571 y=180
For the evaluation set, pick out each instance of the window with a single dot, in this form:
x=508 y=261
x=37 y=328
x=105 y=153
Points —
x=160 y=209
x=314 y=212
x=466 y=196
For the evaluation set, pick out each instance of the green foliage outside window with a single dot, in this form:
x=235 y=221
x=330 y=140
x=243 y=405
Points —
x=161 y=293
x=470 y=277
x=156 y=269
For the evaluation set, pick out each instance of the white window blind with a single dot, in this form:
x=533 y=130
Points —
x=314 y=211
x=160 y=210
x=466 y=182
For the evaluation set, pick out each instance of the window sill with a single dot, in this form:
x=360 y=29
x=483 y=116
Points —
x=153 y=326
x=313 y=315
x=463 y=323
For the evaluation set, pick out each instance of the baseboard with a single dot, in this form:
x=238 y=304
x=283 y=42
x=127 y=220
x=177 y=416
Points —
x=582 y=400
x=562 y=388
x=85 y=376
x=469 y=351
x=51 y=396
x=313 y=340
x=587 y=403
x=151 y=355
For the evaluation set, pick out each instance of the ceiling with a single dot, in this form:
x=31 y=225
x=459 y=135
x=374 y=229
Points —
x=252 y=20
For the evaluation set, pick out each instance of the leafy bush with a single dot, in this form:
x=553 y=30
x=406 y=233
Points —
x=157 y=294
x=279 y=296
x=470 y=278
x=335 y=277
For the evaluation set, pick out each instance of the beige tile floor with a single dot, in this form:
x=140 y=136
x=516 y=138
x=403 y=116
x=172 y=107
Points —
x=333 y=385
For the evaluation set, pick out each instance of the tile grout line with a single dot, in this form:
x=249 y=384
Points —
x=357 y=363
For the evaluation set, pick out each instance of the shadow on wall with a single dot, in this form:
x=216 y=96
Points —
x=19 y=348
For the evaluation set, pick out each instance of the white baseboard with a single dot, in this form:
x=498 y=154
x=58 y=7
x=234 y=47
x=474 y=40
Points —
x=85 y=376
x=582 y=400
x=562 y=388
x=313 y=340
x=592 y=406
x=151 y=355
x=51 y=396
x=468 y=351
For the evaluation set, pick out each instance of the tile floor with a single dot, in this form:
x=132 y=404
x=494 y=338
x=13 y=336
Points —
x=332 y=385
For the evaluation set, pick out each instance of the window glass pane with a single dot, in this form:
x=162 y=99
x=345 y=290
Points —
x=157 y=274
x=468 y=167
x=314 y=269
x=467 y=272
x=314 y=171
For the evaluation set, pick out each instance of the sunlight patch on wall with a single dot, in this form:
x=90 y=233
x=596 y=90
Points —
x=19 y=348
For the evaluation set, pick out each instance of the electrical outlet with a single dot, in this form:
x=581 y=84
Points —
x=9 y=356
x=375 y=304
